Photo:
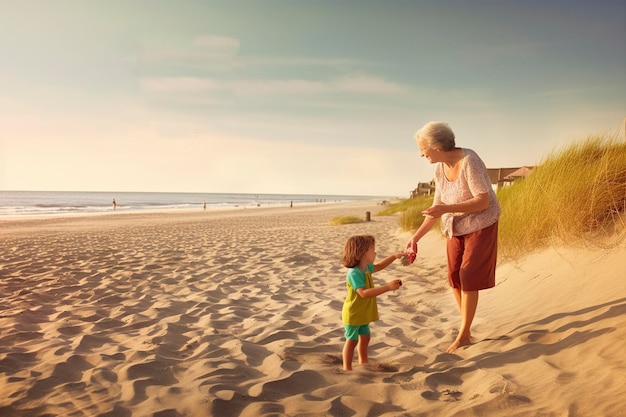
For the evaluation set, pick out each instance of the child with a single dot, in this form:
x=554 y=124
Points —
x=360 y=307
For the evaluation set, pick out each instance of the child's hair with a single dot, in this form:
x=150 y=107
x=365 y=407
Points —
x=354 y=250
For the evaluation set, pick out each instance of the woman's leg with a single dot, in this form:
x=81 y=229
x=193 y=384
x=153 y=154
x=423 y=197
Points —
x=364 y=341
x=457 y=297
x=468 y=301
x=471 y=264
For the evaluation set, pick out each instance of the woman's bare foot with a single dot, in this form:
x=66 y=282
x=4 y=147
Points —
x=458 y=343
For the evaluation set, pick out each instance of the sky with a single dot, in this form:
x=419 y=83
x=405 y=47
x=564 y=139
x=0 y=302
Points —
x=295 y=97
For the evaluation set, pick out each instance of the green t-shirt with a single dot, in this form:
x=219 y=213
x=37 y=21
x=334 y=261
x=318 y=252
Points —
x=359 y=311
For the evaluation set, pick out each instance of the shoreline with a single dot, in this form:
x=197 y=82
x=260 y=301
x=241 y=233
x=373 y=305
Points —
x=180 y=213
x=15 y=204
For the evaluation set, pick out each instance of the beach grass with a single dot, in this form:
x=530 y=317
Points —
x=336 y=221
x=576 y=195
x=410 y=211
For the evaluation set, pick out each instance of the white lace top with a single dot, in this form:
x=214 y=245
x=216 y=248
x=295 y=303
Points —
x=472 y=180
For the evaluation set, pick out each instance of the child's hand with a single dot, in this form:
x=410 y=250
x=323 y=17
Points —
x=408 y=257
x=395 y=284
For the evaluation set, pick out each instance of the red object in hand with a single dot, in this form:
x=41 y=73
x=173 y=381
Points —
x=410 y=254
x=411 y=257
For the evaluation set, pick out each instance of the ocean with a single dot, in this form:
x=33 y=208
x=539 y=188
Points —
x=63 y=203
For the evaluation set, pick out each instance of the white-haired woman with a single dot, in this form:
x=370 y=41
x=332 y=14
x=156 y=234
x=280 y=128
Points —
x=469 y=212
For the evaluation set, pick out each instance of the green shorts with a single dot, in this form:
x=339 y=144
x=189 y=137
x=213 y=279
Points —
x=353 y=332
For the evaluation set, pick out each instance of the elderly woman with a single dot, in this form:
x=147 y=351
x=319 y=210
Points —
x=469 y=211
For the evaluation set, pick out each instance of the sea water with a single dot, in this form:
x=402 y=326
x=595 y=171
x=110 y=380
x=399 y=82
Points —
x=50 y=203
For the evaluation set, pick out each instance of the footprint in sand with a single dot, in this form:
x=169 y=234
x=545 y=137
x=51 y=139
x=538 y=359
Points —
x=382 y=367
x=444 y=395
x=333 y=360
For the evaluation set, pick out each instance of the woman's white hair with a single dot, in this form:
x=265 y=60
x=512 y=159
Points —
x=436 y=135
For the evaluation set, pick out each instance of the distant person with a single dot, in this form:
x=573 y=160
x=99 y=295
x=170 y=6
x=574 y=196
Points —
x=469 y=212
x=204 y=205
x=360 y=307
x=114 y=205
x=291 y=204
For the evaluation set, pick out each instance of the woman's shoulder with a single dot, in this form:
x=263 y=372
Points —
x=470 y=157
x=469 y=153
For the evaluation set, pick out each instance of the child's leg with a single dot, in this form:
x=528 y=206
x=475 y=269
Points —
x=364 y=341
x=348 y=354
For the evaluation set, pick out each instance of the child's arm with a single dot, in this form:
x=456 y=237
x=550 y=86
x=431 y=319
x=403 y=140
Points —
x=387 y=261
x=376 y=291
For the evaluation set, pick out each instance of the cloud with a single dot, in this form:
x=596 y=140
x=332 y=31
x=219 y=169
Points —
x=569 y=92
x=340 y=64
x=222 y=52
x=178 y=85
x=348 y=84
x=366 y=84
x=224 y=45
x=208 y=52
x=211 y=49
x=274 y=87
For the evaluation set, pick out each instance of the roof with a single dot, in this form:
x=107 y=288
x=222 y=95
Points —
x=497 y=174
x=520 y=173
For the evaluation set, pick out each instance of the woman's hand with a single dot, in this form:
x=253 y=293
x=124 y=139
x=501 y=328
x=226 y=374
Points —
x=411 y=246
x=435 y=211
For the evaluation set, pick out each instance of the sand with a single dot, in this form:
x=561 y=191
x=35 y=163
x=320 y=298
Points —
x=238 y=313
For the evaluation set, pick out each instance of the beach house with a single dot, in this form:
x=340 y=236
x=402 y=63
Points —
x=500 y=177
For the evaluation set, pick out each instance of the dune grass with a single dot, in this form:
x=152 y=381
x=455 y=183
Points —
x=577 y=195
x=411 y=211
x=345 y=220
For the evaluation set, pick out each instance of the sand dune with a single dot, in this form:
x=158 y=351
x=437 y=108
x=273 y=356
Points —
x=238 y=313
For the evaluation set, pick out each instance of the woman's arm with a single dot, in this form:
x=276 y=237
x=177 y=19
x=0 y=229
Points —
x=478 y=203
x=426 y=225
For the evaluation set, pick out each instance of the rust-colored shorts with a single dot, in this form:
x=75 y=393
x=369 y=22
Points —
x=472 y=259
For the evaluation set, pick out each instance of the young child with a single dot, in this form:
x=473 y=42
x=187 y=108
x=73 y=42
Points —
x=360 y=308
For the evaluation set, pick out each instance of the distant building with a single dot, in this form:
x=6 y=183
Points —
x=520 y=173
x=506 y=176
x=423 y=188
x=499 y=177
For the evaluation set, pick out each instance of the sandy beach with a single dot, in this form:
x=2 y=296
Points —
x=238 y=313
